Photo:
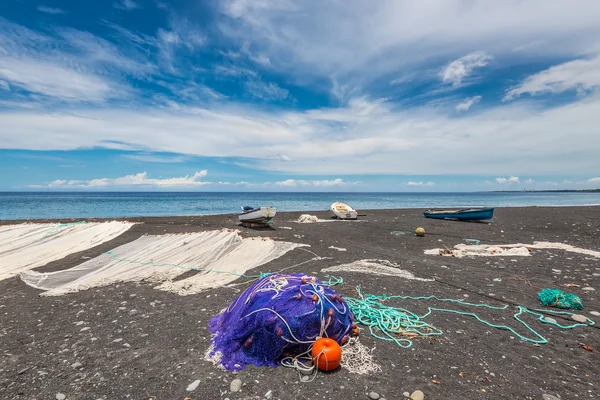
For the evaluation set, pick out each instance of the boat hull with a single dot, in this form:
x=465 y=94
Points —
x=343 y=211
x=262 y=215
x=480 y=214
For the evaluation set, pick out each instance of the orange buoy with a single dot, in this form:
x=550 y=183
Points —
x=326 y=354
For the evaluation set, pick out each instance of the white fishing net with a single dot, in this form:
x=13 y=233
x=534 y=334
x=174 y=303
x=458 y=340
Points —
x=27 y=246
x=358 y=358
x=376 y=267
x=308 y=219
x=519 y=249
x=218 y=257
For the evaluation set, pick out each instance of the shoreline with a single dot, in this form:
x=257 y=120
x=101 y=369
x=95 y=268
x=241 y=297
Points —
x=150 y=217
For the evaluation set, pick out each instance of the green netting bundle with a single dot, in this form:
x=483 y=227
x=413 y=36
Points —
x=558 y=298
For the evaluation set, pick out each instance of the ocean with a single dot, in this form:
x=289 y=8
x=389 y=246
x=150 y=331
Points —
x=28 y=205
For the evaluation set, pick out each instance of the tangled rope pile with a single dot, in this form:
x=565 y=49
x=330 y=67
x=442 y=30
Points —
x=559 y=299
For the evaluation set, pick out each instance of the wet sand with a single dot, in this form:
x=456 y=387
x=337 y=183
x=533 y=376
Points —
x=144 y=343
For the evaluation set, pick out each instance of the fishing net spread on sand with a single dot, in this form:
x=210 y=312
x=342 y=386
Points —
x=376 y=267
x=519 y=249
x=27 y=246
x=276 y=321
x=217 y=257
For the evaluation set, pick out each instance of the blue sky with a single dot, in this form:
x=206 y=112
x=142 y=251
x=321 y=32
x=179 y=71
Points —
x=260 y=95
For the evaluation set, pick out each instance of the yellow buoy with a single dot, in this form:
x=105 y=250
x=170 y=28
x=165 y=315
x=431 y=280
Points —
x=420 y=232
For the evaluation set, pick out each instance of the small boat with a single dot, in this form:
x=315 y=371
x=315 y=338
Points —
x=260 y=215
x=343 y=211
x=467 y=214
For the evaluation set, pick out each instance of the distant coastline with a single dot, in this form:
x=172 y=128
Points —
x=549 y=191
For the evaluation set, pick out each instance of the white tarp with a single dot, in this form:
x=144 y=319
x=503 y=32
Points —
x=219 y=257
x=27 y=246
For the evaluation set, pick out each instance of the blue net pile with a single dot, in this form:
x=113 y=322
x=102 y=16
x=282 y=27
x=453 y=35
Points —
x=277 y=319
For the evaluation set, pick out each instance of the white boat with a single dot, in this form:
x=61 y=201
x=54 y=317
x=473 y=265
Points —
x=260 y=215
x=343 y=211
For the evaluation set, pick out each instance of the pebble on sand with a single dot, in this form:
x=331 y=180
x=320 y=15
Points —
x=374 y=396
x=235 y=385
x=579 y=318
x=588 y=289
x=60 y=396
x=549 y=397
x=192 y=386
x=596 y=313
x=269 y=394
x=417 y=395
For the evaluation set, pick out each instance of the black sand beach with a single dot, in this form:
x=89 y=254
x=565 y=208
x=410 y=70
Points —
x=164 y=336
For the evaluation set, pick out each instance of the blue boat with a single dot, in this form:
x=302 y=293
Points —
x=467 y=214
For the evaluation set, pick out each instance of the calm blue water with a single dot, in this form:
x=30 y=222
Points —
x=87 y=205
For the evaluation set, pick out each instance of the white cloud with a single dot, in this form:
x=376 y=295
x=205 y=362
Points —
x=460 y=69
x=234 y=70
x=510 y=180
x=389 y=38
x=266 y=91
x=529 y=181
x=70 y=65
x=261 y=59
x=364 y=137
x=283 y=157
x=154 y=158
x=136 y=180
x=49 y=79
x=50 y=10
x=361 y=135
x=405 y=78
x=467 y=103
x=35 y=62
x=315 y=183
x=142 y=181
x=581 y=75
x=182 y=34
x=594 y=180
x=126 y=5
x=4 y=85
x=530 y=45
x=421 y=184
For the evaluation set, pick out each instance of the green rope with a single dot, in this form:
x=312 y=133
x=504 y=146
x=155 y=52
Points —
x=57 y=228
x=333 y=281
x=386 y=322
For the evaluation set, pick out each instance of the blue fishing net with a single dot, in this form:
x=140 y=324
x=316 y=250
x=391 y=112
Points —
x=279 y=316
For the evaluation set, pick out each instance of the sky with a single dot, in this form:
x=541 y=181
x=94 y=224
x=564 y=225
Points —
x=259 y=95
